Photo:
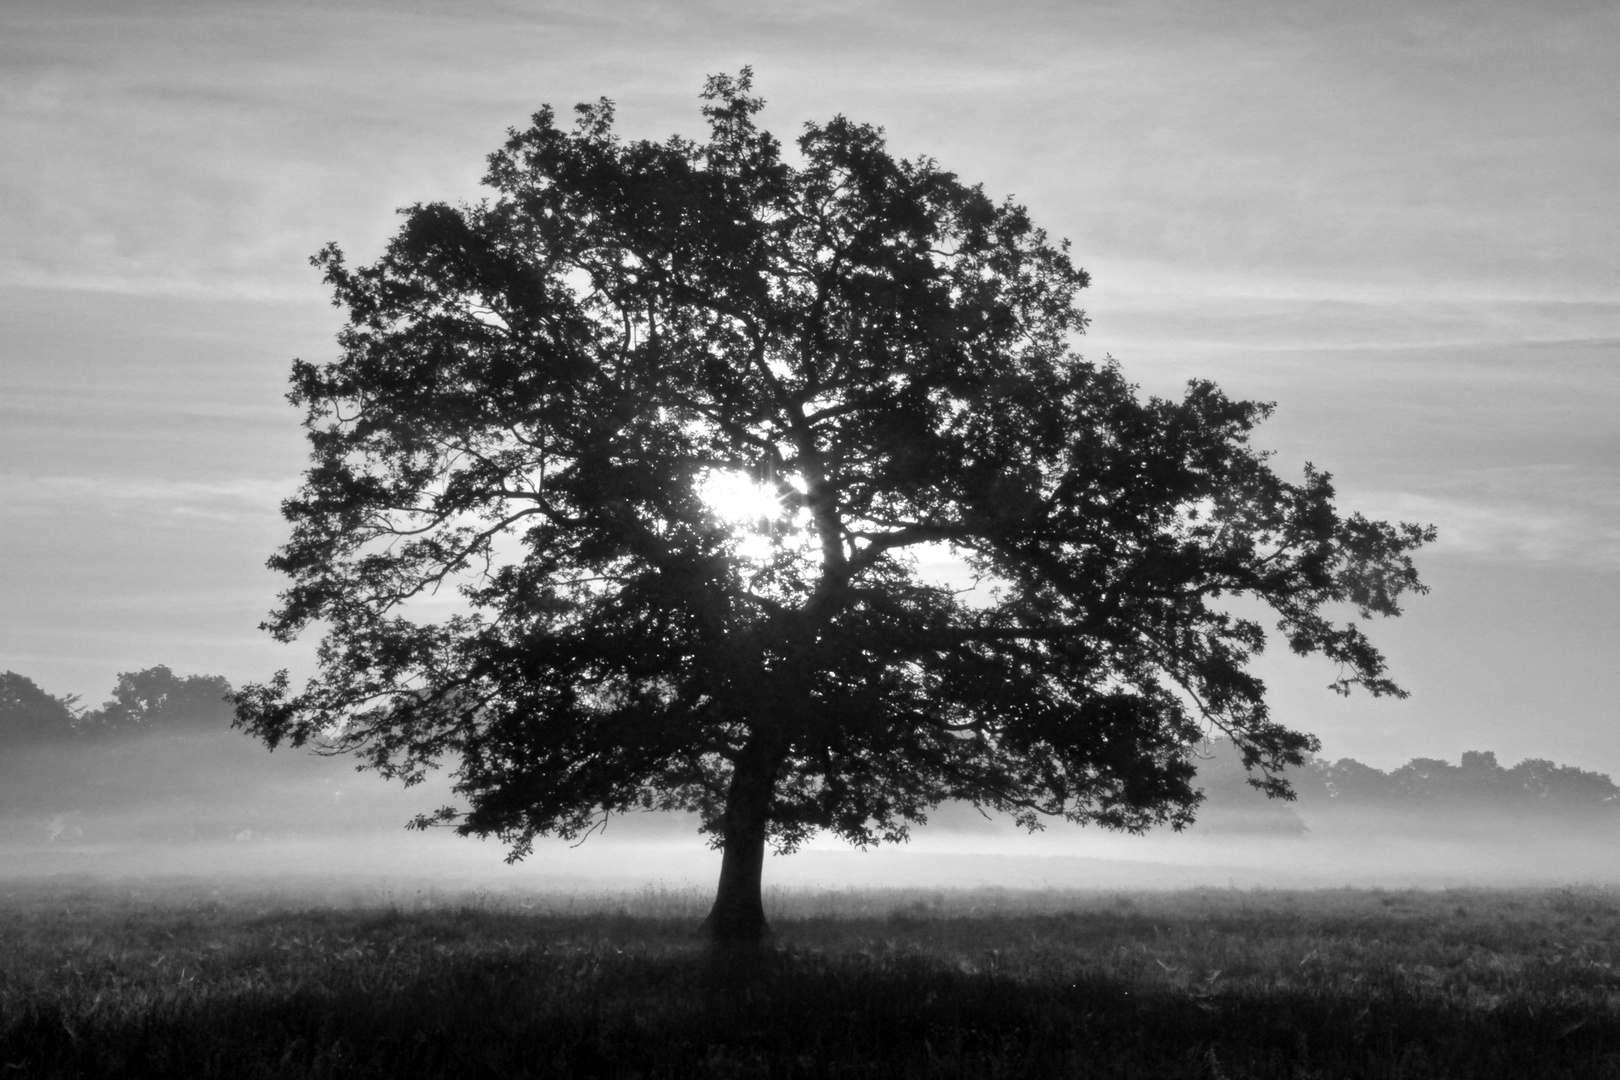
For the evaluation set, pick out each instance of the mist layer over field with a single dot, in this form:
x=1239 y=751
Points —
x=219 y=805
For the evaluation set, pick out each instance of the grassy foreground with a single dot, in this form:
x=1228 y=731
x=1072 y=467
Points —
x=193 y=980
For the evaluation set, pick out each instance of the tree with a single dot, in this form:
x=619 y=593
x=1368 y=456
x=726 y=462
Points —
x=29 y=716
x=668 y=423
x=1564 y=788
x=157 y=700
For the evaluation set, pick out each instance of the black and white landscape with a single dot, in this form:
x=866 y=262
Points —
x=724 y=515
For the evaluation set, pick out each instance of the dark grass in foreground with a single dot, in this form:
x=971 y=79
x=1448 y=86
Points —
x=185 y=980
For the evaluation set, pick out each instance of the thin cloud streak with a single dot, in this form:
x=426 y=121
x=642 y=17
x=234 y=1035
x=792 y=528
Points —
x=1320 y=144
x=1512 y=529
x=226 y=500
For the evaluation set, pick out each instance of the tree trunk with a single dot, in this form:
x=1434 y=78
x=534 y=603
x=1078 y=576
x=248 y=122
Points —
x=738 y=916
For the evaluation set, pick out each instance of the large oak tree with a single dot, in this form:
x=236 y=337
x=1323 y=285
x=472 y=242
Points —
x=539 y=401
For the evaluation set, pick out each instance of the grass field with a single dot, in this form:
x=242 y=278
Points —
x=198 y=979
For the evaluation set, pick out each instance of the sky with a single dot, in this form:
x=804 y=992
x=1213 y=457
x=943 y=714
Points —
x=1398 y=221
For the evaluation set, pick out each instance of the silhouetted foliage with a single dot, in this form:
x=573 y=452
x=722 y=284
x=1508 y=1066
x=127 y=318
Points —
x=157 y=701
x=532 y=393
x=29 y=716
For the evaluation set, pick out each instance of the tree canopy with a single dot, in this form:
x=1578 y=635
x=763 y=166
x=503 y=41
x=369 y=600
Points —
x=29 y=716
x=156 y=700
x=516 y=537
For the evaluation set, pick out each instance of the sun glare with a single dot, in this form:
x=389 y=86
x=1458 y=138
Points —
x=738 y=499
x=751 y=507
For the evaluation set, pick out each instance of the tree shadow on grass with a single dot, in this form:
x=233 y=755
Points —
x=602 y=1012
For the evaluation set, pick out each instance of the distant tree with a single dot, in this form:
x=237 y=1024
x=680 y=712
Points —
x=157 y=701
x=671 y=422
x=1426 y=780
x=1563 y=787
x=1476 y=779
x=29 y=716
x=1535 y=785
x=1350 y=782
x=1480 y=777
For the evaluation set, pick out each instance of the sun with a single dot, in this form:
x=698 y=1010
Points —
x=748 y=506
x=737 y=498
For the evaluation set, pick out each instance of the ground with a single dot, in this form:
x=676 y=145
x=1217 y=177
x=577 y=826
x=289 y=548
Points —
x=190 y=977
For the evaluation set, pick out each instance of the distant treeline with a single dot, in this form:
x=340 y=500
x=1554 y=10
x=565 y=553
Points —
x=158 y=702
x=155 y=701
x=160 y=761
x=1534 y=785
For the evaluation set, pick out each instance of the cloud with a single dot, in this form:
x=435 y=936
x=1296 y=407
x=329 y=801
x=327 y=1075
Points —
x=183 y=147
x=227 y=500
x=1546 y=514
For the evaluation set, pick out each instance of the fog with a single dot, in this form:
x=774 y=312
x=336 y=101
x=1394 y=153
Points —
x=219 y=806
